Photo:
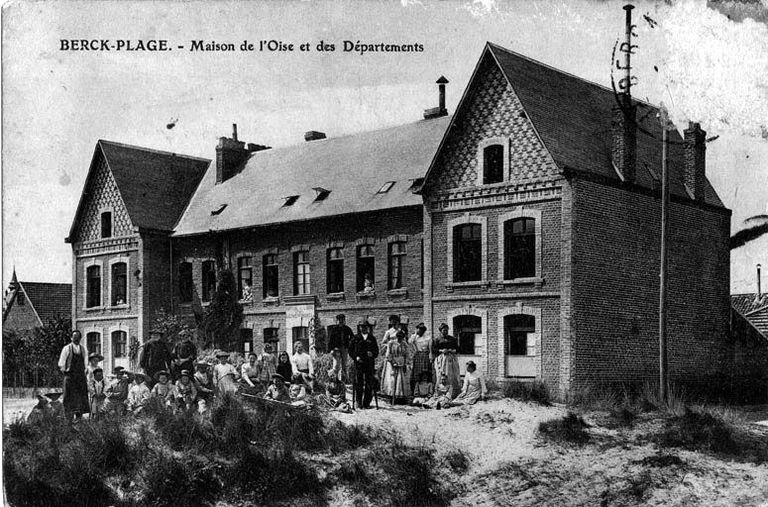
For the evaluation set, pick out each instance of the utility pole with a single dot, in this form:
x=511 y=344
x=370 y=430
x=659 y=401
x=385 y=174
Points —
x=663 y=379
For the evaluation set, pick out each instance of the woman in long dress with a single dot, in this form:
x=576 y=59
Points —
x=267 y=365
x=394 y=381
x=446 y=362
x=72 y=363
x=420 y=344
x=224 y=375
x=474 y=387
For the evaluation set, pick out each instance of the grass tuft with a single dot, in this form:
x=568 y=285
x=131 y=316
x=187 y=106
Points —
x=535 y=391
x=568 y=429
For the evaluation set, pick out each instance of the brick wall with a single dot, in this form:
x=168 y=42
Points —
x=615 y=286
x=103 y=195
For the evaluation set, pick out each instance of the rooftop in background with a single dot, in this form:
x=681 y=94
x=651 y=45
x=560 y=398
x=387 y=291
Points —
x=49 y=300
x=754 y=309
x=352 y=168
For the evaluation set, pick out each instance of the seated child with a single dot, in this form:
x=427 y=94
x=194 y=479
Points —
x=204 y=386
x=443 y=394
x=117 y=392
x=422 y=390
x=138 y=395
x=186 y=393
x=97 y=387
x=298 y=393
x=162 y=388
x=277 y=391
x=40 y=411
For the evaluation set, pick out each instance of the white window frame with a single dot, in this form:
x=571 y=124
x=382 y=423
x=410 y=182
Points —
x=127 y=260
x=504 y=142
x=87 y=264
x=462 y=220
x=512 y=215
x=99 y=331
x=520 y=309
x=112 y=329
x=480 y=356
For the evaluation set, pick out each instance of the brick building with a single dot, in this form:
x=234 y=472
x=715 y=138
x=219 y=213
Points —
x=29 y=305
x=528 y=222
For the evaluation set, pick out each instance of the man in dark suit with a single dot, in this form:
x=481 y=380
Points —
x=155 y=356
x=363 y=351
x=340 y=337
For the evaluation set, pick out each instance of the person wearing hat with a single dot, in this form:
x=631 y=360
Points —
x=73 y=364
x=184 y=355
x=278 y=391
x=117 y=392
x=40 y=411
x=94 y=358
x=363 y=351
x=139 y=394
x=339 y=337
x=155 y=355
x=204 y=386
x=421 y=345
x=162 y=389
x=186 y=393
x=97 y=389
x=224 y=375
x=446 y=362
x=57 y=409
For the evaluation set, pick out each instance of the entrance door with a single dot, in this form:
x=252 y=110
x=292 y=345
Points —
x=519 y=345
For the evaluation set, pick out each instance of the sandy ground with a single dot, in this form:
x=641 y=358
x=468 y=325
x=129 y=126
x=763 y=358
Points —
x=511 y=465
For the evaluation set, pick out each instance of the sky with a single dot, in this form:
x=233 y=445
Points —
x=705 y=64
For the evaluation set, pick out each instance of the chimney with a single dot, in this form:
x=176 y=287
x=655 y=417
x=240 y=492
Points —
x=440 y=110
x=695 y=158
x=313 y=135
x=231 y=154
x=759 y=289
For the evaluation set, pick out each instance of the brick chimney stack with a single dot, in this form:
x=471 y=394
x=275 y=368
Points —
x=440 y=110
x=624 y=139
x=231 y=154
x=695 y=160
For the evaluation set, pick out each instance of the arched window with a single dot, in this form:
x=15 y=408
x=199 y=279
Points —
x=466 y=327
x=335 y=270
x=93 y=286
x=518 y=331
x=493 y=164
x=365 y=267
x=467 y=253
x=93 y=342
x=396 y=264
x=519 y=248
x=119 y=284
x=185 y=282
x=119 y=344
x=301 y=273
x=209 y=280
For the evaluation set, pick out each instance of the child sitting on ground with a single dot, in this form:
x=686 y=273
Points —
x=203 y=385
x=443 y=394
x=40 y=411
x=422 y=390
x=277 y=391
x=138 y=395
x=117 y=392
x=186 y=393
x=162 y=388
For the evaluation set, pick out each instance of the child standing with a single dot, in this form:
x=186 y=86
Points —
x=138 y=395
x=224 y=374
x=162 y=388
x=185 y=391
x=97 y=388
x=203 y=385
x=117 y=392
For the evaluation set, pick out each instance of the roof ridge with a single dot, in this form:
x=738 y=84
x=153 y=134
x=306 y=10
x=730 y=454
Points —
x=46 y=283
x=152 y=150
x=566 y=73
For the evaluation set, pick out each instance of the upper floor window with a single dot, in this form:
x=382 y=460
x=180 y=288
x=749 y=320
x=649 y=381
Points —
x=244 y=278
x=467 y=253
x=185 y=282
x=396 y=265
x=518 y=331
x=119 y=344
x=106 y=224
x=519 y=248
x=119 y=284
x=270 y=275
x=93 y=286
x=335 y=270
x=93 y=342
x=209 y=280
x=301 y=273
x=493 y=164
x=365 y=268
x=466 y=328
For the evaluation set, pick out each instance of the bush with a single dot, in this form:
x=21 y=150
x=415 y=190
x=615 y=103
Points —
x=624 y=416
x=457 y=460
x=535 y=391
x=700 y=431
x=569 y=429
x=172 y=481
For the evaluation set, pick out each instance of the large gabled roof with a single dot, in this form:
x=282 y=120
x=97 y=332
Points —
x=572 y=116
x=353 y=168
x=154 y=185
x=48 y=300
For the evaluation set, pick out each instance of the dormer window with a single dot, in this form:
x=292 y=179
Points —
x=218 y=210
x=322 y=193
x=291 y=200
x=416 y=184
x=386 y=187
x=493 y=164
x=106 y=224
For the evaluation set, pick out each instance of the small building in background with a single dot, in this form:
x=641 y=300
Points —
x=29 y=305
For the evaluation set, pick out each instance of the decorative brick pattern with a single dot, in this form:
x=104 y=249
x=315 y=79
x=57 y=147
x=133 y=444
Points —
x=103 y=196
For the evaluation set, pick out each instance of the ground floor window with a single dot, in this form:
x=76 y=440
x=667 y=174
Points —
x=93 y=342
x=300 y=334
x=119 y=344
x=465 y=329
x=518 y=335
x=246 y=340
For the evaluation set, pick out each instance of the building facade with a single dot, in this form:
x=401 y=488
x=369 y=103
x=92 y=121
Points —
x=528 y=221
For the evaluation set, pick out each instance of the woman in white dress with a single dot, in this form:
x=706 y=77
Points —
x=394 y=381
x=474 y=388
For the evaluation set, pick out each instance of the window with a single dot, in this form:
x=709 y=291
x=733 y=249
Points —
x=365 y=268
x=396 y=264
x=119 y=344
x=119 y=284
x=467 y=253
x=185 y=282
x=493 y=164
x=300 y=335
x=517 y=329
x=270 y=276
x=93 y=342
x=270 y=335
x=20 y=299
x=322 y=193
x=335 y=270
x=244 y=278
x=106 y=224
x=209 y=280
x=290 y=200
x=246 y=341
x=386 y=187
x=301 y=273
x=466 y=327
x=93 y=287
x=519 y=248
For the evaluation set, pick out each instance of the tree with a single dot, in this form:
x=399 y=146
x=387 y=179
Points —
x=41 y=350
x=225 y=314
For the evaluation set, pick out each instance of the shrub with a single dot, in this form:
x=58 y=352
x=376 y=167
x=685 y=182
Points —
x=272 y=477
x=570 y=429
x=457 y=460
x=342 y=437
x=661 y=461
x=624 y=415
x=535 y=391
x=699 y=431
x=232 y=424
x=172 y=481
